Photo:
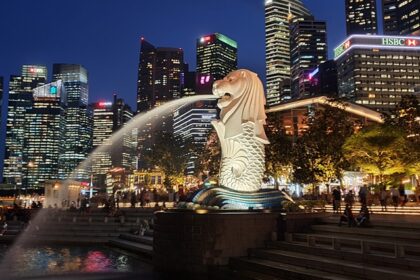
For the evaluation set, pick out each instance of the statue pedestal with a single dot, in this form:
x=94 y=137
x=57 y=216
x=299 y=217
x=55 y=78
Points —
x=194 y=242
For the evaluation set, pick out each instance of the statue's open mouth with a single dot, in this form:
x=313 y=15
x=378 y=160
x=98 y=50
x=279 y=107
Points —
x=226 y=96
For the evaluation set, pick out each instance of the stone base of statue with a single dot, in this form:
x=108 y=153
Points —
x=225 y=198
x=198 y=244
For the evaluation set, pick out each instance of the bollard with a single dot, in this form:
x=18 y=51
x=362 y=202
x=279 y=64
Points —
x=74 y=219
x=106 y=220
x=90 y=220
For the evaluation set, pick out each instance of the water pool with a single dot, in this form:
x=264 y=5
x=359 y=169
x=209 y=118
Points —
x=84 y=261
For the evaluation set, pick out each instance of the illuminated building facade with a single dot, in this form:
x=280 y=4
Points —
x=323 y=79
x=361 y=17
x=159 y=75
x=376 y=71
x=401 y=17
x=43 y=134
x=277 y=46
x=124 y=151
x=78 y=120
x=103 y=122
x=216 y=56
x=308 y=49
x=19 y=102
x=193 y=123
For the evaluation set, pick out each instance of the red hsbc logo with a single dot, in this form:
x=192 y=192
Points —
x=411 y=42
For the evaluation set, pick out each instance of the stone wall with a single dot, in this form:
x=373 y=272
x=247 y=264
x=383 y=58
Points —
x=194 y=242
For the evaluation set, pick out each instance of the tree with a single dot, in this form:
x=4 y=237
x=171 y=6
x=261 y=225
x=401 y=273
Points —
x=278 y=154
x=318 y=155
x=171 y=154
x=406 y=117
x=377 y=150
x=209 y=156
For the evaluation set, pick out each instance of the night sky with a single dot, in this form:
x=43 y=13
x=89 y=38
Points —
x=104 y=35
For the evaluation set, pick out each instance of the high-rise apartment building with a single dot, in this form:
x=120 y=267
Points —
x=401 y=17
x=216 y=56
x=78 y=120
x=376 y=71
x=361 y=17
x=277 y=46
x=103 y=123
x=43 y=134
x=159 y=75
x=19 y=102
x=308 y=49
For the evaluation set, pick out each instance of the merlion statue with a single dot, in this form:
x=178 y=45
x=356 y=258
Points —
x=241 y=130
x=242 y=138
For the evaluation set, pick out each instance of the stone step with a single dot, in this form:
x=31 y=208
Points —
x=379 y=222
x=132 y=246
x=346 y=254
x=375 y=232
x=76 y=234
x=59 y=239
x=333 y=265
x=148 y=240
x=86 y=228
x=252 y=275
x=282 y=270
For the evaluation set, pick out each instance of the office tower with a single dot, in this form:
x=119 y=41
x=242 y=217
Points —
x=216 y=56
x=43 y=134
x=193 y=123
x=20 y=100
x=376 y=71
x=1 y=102
x=103 y=123
x=323 y=79
x=188 y=84
x=124 y=150
x=277 y=46
x=361 y=17
x=308 y=49
x=401 y=17
x=78 y=120
x=159 y=75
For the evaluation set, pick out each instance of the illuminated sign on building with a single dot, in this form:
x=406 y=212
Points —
x=53 y=90
x=105 y=104
x=377 y=42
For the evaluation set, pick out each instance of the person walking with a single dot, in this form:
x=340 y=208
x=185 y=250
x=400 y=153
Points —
x=363 y=191
x=349 y=198
x=383 y=196
x=336 y=193
x=403 y=196
x=395 y=195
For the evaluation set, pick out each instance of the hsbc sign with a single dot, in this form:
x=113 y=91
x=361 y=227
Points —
x=400 y=42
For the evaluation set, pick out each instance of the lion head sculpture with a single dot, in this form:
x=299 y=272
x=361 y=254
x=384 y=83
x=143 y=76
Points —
x=241 y=100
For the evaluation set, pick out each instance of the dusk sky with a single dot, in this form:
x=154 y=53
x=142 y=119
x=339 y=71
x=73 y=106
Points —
x=104 y=35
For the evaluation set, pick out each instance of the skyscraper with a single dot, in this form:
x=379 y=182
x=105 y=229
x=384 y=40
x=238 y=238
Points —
x=376 y=71
x=361 y=17
x=124 y=151
x=43 y=134
x=20 y=100
x=277 y=46
x=103 y=123
x=216 y=56
x=78 y=120
x=308 y=49
x=401 y=17
x=159 y=75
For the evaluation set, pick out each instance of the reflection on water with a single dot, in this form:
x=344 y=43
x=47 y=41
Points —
x=42 y=260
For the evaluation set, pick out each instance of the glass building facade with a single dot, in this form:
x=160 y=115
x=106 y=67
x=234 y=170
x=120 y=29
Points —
x=216 y=56
x=401 y=17
x=43 y=134
x=277 y=46
x=361 y=17
x=308 y=49
x=20 y=101
x=78 y=120
x=376 y=71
